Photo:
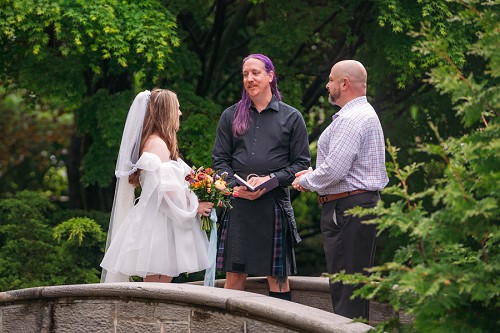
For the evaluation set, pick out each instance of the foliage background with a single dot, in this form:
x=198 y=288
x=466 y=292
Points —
x=445 y=273
x=70 y=69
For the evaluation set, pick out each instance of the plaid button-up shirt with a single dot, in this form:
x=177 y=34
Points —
x=351 y=152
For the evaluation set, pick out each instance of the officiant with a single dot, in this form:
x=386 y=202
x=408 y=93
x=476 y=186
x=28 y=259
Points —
x=262 y=137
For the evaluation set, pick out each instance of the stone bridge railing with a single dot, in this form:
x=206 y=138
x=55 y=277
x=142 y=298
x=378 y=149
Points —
x=315 y=292
x=157 y=308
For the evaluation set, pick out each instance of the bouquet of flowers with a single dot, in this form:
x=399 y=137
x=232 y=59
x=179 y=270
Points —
x=209 y=186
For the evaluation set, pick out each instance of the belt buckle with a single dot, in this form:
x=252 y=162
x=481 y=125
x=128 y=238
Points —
x=322 y=199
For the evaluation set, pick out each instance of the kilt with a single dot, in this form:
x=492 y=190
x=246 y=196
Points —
x=255 y=237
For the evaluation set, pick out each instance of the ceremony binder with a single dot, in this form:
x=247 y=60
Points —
x=268 y=185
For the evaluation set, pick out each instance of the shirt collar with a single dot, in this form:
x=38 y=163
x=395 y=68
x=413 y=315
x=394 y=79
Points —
x=273 y=104
x=351 y=104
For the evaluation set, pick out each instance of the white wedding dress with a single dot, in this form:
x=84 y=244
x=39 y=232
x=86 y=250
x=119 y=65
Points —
x=161 y=234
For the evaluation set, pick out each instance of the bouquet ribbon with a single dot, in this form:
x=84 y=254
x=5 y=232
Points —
x=209 y=280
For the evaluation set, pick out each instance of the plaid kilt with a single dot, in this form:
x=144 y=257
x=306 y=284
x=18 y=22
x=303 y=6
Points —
x=283 y=257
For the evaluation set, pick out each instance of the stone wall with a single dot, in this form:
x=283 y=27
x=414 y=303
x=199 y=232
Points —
x=315 y=292
x=310 y=291
x=158 y=308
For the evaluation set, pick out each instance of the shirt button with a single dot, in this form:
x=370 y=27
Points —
x=253 y=153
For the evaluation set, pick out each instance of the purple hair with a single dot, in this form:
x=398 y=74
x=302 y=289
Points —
x=241 y=120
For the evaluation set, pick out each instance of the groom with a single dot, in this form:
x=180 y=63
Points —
x=350 y=171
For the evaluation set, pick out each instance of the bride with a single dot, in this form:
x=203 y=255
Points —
x=160 y=236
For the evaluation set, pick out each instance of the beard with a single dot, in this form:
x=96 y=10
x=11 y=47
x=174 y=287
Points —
x=333 y=98
x=330 y=100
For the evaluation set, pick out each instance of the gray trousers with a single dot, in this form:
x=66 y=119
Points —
x=350 y=246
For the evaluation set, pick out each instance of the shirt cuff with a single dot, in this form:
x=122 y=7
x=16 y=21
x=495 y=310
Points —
x=303 y=182
x=276 y=174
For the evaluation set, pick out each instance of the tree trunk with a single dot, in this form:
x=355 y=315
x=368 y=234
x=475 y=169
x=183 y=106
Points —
x=73 y=169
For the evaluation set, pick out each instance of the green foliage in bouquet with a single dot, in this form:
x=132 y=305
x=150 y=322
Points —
x=209 y=186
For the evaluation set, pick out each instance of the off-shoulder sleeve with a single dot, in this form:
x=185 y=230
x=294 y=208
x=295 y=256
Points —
x=164 y=184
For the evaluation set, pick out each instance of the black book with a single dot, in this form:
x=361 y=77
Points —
x=268 y=184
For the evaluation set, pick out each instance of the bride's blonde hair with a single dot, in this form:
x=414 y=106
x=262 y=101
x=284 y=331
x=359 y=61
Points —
x=162 y=119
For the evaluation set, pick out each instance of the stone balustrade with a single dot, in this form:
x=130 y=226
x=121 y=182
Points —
x=315 y=292
x=310 y=291
x=158 y=308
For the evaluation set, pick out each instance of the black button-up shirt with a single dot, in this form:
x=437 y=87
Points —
x=276 y=142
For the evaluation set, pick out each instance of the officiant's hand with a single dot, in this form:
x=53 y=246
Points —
x=243 y=192
x=256 y=180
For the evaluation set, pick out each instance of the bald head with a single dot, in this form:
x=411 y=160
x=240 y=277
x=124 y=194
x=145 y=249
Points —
x=347 y=81
x=354 y=71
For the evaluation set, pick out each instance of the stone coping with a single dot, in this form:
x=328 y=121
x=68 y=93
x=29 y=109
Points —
x=302 y=283
x=290 y=315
